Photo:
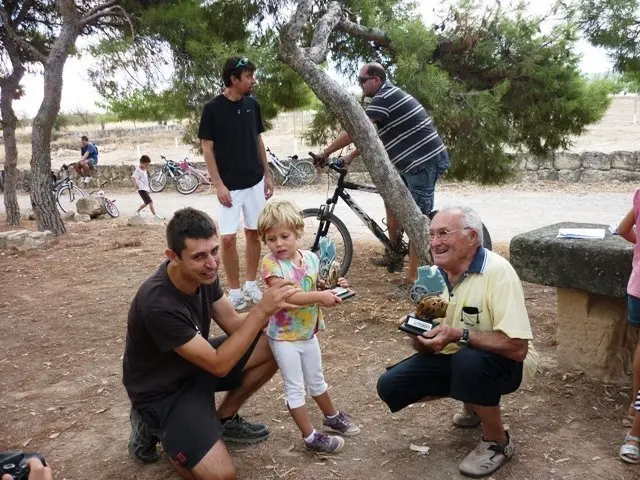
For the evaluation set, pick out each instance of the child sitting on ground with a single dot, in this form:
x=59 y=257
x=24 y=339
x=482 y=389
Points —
x=292 y=332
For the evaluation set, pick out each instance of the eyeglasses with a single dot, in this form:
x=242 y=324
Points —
x=242 y=62
x=445 y=234
x=363 y=80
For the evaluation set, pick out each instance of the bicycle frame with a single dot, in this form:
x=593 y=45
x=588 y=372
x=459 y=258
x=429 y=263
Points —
x=331 y=202
x=284 y=169
x=202 y=175
x=170 y=167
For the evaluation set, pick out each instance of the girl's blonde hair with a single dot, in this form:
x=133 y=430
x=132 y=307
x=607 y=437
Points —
x=280 y=213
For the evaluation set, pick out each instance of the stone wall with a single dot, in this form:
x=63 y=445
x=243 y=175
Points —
x=586 y=167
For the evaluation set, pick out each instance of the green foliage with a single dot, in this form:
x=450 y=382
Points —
x=492 y=80
x=324 y=127
x=613 y=25
x=495 y=85
x=144 y=104
x=193 y=39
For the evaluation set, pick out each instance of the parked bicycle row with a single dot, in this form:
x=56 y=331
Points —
x=187 y=177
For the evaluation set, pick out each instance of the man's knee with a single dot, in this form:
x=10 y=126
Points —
x=384 y=386
x=228 y=241
x=251 y=235
x=216 y=464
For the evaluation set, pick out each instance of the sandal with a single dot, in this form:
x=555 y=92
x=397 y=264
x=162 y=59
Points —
x=630 y=453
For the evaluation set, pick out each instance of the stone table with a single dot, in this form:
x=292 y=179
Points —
x=590 y=276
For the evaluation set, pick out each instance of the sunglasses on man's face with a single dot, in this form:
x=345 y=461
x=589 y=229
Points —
x=242 y=62
x=363 y=80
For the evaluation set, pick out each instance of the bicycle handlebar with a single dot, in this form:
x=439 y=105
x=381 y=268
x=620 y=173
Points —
x=336 y=165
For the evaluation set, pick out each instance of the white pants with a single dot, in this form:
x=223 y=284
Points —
x=249 y=202
x=300 y=363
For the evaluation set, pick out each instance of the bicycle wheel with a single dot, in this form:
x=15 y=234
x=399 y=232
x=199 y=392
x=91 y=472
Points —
x=158 y=181
x=276 y=175
x=332 y=228
x=302 y=173
x=112 y=210
x=187 y=183
x=67 y=196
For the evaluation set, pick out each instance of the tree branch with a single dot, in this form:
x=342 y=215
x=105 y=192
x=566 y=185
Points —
x=18 y=40
x=23 y=12
x=372 y=34
x=354 y=120
x=319 y=45
x=98 y=8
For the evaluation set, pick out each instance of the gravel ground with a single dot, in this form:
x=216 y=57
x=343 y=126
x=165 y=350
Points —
x=506 y=210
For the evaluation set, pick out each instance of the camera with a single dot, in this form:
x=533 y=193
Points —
x=15 y=463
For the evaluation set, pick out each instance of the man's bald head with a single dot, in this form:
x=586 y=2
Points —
x=374 y=69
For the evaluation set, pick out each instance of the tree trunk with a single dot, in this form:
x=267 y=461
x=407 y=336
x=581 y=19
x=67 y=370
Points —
x=8 y=87
x=42 y=199
x=354 y=120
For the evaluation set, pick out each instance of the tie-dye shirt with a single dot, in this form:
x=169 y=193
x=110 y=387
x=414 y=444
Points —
x=298 y=323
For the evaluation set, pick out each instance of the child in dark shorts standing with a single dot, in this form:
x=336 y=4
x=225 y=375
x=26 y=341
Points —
x=142 y=183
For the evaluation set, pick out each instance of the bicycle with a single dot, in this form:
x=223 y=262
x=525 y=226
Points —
x=109 y=204
x=297 y=172
x=192 y=178
x=66 y=191
x=170 y=170
x=322 y=222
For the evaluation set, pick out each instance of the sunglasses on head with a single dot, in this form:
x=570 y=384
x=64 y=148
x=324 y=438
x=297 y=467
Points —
x=242 y=62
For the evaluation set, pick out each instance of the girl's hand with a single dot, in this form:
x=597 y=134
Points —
x=342 y=282
x=328 y=299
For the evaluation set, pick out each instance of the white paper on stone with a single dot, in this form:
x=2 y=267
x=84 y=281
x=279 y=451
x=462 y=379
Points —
x=587 y=233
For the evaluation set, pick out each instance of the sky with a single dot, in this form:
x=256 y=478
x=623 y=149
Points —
x=79 y=95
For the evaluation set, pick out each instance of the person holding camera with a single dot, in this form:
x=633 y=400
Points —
x=172 y=369
x=480 y=351
x=35 y=470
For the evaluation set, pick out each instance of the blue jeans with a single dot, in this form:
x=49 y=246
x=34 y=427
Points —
x=633 y=311
x=421 y=181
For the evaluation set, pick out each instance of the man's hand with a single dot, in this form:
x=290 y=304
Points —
x=275 y=297
x=37 y=471
x=268 y=186
x=439 y=337
x=224 y=196
x=328 y=299
x=320 y=161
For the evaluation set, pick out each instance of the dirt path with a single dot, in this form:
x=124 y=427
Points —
x=506 y=210
x=62 y=328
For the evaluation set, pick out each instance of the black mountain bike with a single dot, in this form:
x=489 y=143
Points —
x=322 y=222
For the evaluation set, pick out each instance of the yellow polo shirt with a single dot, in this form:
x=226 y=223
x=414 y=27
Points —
x=492 y=287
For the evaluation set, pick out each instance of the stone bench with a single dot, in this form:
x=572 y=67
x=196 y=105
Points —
x=591 y=279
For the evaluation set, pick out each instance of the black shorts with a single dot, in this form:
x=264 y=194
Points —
x=146 y=198
x=470 y=375
x=187 y=422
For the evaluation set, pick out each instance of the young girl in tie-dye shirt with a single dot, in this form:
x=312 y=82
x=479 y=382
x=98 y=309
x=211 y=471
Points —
x=292 y=332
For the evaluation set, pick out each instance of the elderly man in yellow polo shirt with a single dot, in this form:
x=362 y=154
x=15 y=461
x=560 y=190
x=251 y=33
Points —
x=480 y=351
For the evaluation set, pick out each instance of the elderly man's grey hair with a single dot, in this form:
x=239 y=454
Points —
x=470 y=219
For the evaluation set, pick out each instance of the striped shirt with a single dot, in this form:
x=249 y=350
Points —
x=405 y=128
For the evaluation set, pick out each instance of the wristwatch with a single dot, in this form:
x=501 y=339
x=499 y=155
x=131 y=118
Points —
x=464 y=339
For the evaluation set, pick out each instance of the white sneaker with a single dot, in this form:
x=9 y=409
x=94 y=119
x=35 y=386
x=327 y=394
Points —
x=238 y=303
x=87 y=179
x=252 y=293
